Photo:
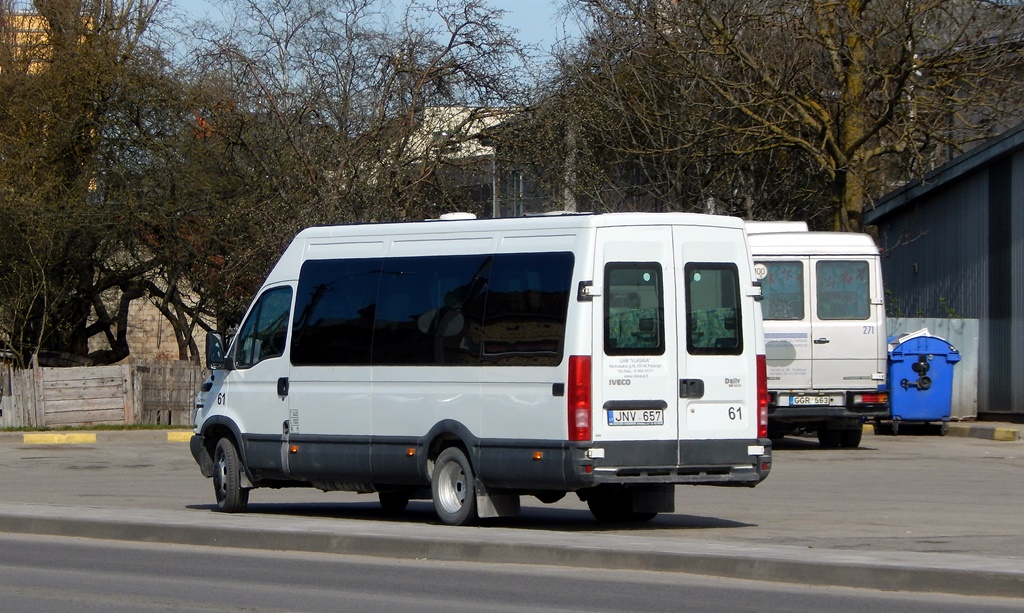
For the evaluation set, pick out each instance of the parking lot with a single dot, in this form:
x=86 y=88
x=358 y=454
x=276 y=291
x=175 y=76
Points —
x=913 y=493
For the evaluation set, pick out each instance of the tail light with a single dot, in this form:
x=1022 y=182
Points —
x=871 y=398
x=579 y=398
x=762 y=397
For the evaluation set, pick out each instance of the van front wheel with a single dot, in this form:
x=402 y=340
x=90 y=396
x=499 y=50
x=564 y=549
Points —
x=227 y=478
x=453 y=488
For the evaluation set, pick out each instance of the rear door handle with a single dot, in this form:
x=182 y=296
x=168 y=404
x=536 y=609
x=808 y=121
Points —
x=821 y=341
x=691 y=388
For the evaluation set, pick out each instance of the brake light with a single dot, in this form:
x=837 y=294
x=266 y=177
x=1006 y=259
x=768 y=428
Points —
x=879 y=398
x=762 y=397
x=579 y=398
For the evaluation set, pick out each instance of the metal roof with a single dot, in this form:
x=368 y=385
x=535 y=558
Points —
x=993 y=148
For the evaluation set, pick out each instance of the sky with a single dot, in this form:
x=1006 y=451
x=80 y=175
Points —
x=537 y=21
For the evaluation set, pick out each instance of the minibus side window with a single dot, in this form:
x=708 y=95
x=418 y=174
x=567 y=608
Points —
x=423 y=303
x=843 y=289
x=504 y=309
x=264 y=333
x=783 y=290
x=634 y=311
x=713 y=309
x=335 y=306
x=525 y=313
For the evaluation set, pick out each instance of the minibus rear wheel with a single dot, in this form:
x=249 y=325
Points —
x=453 y=487
x=851 y=438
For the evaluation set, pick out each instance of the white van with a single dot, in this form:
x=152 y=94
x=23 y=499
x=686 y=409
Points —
x=475 y=361
x=824 y=325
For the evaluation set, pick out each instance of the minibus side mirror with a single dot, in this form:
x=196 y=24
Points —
x=216 y=347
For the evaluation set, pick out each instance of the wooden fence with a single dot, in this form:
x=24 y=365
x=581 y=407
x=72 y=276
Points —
x=154 y=392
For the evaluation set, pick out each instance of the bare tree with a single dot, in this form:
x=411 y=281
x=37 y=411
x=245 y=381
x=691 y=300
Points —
x=327 y=112
x=864 y=93
x=70 y=265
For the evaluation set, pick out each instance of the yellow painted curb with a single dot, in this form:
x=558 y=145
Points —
x=59 y=439
x=1005 y=434
x=179 y=437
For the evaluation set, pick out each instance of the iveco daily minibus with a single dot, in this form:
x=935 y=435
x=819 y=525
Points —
x=475 y=361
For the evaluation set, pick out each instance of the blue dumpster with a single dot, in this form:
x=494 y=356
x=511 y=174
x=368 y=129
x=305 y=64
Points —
x=921 y=379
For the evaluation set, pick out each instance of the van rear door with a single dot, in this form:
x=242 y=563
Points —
x=846 y=324
x=717 y=374
x=635 y=389
x=672 y=353
x=785 y=283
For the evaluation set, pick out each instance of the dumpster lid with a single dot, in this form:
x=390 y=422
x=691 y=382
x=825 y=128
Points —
x=906 y=336
x=917 y=344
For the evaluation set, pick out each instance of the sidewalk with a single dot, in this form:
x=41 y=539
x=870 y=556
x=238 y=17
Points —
x=969 y=575
x=989 y=430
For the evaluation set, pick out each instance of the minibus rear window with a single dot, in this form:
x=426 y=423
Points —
x=713 y=318
x=634 y=312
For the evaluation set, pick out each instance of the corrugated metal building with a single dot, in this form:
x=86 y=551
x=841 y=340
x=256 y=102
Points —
x=953 y=246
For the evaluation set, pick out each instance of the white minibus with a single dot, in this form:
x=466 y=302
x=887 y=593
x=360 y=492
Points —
x=824 y=325
x=475 y=361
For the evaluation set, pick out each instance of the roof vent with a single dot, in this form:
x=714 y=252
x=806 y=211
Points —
x=456 y=216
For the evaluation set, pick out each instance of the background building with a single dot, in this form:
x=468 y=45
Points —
x=953 y=246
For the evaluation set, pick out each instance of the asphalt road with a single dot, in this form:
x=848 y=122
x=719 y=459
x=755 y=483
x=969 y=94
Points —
x=910 y=512
x=48 y=574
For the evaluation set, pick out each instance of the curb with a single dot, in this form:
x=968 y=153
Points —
x=58 y=438
x=892 y=571
x=991 y=431
x=985 y=432
x=91 y=438
x=980 y=430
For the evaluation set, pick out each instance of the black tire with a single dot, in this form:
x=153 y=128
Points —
x=227 y=478
x=453 y=487
x=851 y=438
x=615 y=506
x=830 y=438
x=393 y=502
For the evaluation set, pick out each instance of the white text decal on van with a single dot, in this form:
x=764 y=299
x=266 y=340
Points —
x=634 y=368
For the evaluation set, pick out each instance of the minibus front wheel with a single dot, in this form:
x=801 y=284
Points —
x=227 y=478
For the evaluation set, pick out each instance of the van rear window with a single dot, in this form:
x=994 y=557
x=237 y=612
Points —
x=634 y=317
x=713 y=320
x=783 y=290
x=843 y=289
